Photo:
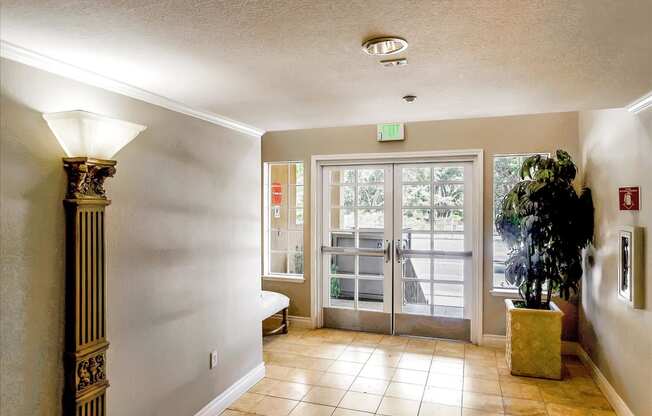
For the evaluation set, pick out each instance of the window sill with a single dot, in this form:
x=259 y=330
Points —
x=284 y=278
x=505 y=293
x=509 y=293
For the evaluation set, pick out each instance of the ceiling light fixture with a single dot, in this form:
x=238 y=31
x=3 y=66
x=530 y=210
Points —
x=387 y=45
x=409 y=98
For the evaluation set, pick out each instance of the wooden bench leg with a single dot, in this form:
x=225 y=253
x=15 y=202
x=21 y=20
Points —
x=286 y=322
x=283 y=328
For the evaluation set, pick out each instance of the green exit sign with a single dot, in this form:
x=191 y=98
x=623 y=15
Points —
x=390 y=132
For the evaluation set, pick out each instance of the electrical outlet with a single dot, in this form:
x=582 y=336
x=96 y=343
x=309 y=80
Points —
x=213 y=359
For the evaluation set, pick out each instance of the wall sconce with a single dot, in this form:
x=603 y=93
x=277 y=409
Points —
x=90 y=141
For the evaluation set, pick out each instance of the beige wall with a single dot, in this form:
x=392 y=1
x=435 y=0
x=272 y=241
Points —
x=183 y=267
x=616 y=149
x=535 y=133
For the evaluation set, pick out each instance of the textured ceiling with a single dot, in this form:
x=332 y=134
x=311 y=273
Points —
x=297 y=64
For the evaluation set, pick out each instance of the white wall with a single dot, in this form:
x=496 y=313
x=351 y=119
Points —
x=183 y=235
x=616 y=149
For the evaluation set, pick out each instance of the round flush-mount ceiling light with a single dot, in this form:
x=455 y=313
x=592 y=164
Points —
x=383 y=46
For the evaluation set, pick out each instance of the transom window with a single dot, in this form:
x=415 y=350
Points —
x=283 y=250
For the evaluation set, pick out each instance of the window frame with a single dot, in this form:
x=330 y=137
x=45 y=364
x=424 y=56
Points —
x=268 y=275
x=502 y=291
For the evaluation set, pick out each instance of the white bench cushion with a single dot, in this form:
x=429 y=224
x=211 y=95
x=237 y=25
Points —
x=272 y=302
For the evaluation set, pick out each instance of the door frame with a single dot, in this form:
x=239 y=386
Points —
x=475 y=156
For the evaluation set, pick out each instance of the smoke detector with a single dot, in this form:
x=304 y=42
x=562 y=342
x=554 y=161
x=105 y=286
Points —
x=383 y=46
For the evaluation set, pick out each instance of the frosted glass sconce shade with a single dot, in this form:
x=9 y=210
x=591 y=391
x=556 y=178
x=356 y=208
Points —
x=84 y=134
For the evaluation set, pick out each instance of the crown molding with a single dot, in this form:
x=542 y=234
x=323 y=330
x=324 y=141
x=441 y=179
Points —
x=641 y=104
x=36 y=60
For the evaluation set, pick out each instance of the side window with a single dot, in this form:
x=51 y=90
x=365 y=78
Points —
x=283 y=242
x=505 y=175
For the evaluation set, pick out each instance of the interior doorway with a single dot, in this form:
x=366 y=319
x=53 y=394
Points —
x=398 y=246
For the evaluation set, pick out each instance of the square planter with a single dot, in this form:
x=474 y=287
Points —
x=534 y=341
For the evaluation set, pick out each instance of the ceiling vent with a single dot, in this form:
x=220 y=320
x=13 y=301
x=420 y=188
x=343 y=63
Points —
x=389 y=63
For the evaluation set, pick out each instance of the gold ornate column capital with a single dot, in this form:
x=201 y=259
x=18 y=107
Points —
x=86 y=177
x=86 y=341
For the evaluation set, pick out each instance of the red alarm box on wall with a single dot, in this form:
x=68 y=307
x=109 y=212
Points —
x=629 y=198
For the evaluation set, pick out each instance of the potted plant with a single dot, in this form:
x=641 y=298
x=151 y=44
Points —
x=545 y=224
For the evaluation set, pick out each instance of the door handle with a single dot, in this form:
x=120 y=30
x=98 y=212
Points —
x=437 y=253
x=352 y=251
x=399 y=250
x=388 y=251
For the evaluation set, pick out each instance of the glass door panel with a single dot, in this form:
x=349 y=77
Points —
x=396 y=248
x=432 y=252
x=356 y=247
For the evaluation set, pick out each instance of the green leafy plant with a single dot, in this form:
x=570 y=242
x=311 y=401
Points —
x=336 y=286
x=298 y=260
x=545 y=224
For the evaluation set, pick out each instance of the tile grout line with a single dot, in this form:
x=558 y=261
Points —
x=429 y=372
x=423 y=393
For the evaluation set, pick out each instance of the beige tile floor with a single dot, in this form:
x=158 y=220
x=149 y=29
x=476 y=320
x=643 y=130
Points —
x=330 y=372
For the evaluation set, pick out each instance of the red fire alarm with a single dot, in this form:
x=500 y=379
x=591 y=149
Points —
x=277 y=193
x=629 y=198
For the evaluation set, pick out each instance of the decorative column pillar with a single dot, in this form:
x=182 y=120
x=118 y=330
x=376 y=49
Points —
x=86 y=343
x=91 y=141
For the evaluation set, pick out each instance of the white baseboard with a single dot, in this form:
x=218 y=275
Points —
x=619 y=405
x=230 y=395
x=493 y=341
x=296 y=321
x=574 y=348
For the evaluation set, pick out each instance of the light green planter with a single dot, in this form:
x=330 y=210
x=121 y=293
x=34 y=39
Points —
x=534 y=341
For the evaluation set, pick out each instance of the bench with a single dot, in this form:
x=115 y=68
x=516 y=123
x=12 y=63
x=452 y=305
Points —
x=273 y=303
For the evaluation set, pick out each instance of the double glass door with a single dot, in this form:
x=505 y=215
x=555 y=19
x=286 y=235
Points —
x=396 y=248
